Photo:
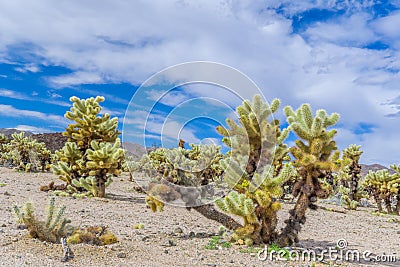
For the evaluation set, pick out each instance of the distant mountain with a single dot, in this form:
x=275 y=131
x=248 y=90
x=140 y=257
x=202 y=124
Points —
x=135 y=150
x=53 y=141
x=372 y=167
x=9 y=132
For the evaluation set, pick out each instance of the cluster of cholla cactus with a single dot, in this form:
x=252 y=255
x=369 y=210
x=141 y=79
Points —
x=93 y=153
x=315 y=154
x=384 y=187
x=256 y=170
x=25 y=153
x=57 y=227
x=179 y=173
x=349 y=175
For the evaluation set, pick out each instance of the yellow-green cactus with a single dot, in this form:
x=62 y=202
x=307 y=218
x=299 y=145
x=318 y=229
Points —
x=383 y=186
x=315 y=155
x=25 y=153
x=51 y=230
x=349 y=175
x=256 y=169
x=93 y=153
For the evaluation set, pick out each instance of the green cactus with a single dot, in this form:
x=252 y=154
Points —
x=93 y=153
x=349 y=175
x=257 y=169
x=383 y=186
x=396 y=169
x=314 y=155
x=52 y=230
x=25 y=153
x=56 y=226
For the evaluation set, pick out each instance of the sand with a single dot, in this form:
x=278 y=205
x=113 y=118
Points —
x=175 y=237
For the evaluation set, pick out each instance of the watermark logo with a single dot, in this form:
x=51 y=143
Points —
x=338 y=253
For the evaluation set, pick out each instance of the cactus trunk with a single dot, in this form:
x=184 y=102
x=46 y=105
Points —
x=211 y=213
x=101 y=187
x=289 y=234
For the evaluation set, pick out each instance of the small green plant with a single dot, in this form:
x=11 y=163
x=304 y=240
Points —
x=283 y=252
x=3 y=184
x=215 y=242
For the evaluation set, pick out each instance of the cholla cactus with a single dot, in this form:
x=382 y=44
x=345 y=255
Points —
x=258 y=205
x=396 y=169
x=51 y=230
x=256 y=170
x=93 y=153
x=25 y=153
x=383 y=186
x=349 y=176
x=189 y=170
x=315 y=155
x=57 y=227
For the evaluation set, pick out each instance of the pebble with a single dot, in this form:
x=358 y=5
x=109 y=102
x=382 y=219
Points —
x=192 y=234
x=144 y=238
x=178 y=230
x=398 y=232
x=14 y=239
x=3 y=225
x=168 y=243
x=121 y=255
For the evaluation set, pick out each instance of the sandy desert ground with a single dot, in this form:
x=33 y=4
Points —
x=176 y=237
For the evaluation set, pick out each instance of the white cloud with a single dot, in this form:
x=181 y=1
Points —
x=32 y=129
x=12 y=94
x=327 y=69
x=12 y=112
x=17 y=95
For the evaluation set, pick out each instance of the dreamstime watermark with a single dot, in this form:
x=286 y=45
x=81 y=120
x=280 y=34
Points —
x=337 y=253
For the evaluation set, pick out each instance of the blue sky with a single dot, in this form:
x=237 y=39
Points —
x=342 y=56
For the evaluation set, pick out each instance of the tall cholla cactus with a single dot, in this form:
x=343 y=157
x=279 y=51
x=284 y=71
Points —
x=383 y=186
x=349 y=176
x=315 y=154
x=93 y=153
x=255 y=170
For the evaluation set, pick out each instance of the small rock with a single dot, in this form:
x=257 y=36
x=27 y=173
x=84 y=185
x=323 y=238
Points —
x=21 y=227
x=192 y=234
x=166 y=251
x=398 y=232
x=1 y=231
x=14 y=239
x=144 y=238
x=168 y=243
x=121 y=255
x=178 y=230
x=201 y=235
x=3 y=225
x=7 y=194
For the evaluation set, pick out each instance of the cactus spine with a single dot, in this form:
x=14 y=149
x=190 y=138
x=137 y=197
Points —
x=93 y=153
x=314 y=155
